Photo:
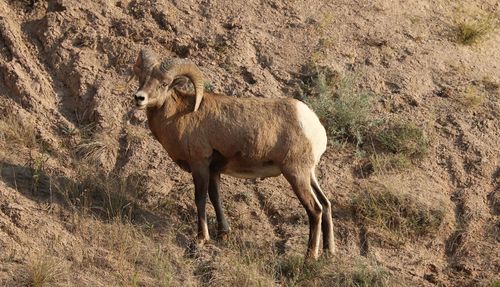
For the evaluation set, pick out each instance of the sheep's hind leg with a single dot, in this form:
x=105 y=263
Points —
x=223 y=228
x=326 y=222
x=301 y=185
x=201 y=177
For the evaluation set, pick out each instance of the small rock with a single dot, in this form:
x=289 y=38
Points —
x=445 y=92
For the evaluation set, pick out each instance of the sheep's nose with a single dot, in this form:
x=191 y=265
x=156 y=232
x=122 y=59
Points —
x=139 y=97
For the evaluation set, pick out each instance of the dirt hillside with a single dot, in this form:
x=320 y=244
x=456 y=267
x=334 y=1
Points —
x=89 y=198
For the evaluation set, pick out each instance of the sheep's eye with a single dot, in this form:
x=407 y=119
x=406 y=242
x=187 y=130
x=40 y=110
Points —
x=164 y=85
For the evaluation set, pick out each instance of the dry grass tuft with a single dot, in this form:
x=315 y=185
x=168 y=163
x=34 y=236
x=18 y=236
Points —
x=401 y=215
x=473 y=31
x=96 y=150
x=231 y=269
x=132 y=255
x=44 y=271
x=348 y=272
x=393 y=146
x=359 y=275
x=383 y=163
x=242 y=264
x=106 y=195
x=472 y=98
x=293 y=271
x=402 y=138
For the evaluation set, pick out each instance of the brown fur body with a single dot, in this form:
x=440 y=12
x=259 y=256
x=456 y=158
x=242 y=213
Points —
x=269 y=134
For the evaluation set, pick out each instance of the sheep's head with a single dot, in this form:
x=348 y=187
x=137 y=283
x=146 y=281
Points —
x=155 y=78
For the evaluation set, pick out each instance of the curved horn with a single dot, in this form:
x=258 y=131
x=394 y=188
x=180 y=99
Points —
x=173 y=68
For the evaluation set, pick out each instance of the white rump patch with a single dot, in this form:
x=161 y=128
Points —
x=313 y=130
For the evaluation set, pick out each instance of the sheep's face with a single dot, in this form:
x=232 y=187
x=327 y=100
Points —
x=152 y=82
x=152 y=85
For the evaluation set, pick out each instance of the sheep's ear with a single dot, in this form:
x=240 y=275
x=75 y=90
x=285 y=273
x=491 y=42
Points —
x=180 y=81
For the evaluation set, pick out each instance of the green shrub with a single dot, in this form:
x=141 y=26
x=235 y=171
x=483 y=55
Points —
x=209 y=87
x=346 y=113
x=402 y=138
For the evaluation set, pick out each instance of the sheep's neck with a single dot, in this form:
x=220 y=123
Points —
x=173 y=105
x=164 y=107
x=164 y=119
x=159 y=114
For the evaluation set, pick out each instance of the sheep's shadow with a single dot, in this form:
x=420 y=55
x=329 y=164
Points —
x=104 y=200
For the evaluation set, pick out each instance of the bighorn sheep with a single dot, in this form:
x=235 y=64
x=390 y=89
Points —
x=208 y=134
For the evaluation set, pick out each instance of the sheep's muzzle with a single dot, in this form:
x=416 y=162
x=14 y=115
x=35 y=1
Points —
x=141 y=99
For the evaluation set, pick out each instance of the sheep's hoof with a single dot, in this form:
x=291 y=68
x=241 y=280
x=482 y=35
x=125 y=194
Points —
x=200 y=242
x=310 y=257
x=328 y=253
x=223 y=235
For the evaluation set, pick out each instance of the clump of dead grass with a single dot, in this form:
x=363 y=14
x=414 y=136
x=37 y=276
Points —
x=109 y=215
x=402 y=138
x=231 y=269
x=472 y=98
x=96 y=149
x=385 y=163
x=360 y=274
x=242 y=264
x=394 y=145
x=44 y=271
x=292 y=270
x=348 y=272
x=135 y=257
x=106 y=195
x=473 y=31
x=401 y=215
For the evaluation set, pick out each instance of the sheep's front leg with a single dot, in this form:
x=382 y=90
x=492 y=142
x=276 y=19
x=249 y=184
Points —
x=201 y=177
